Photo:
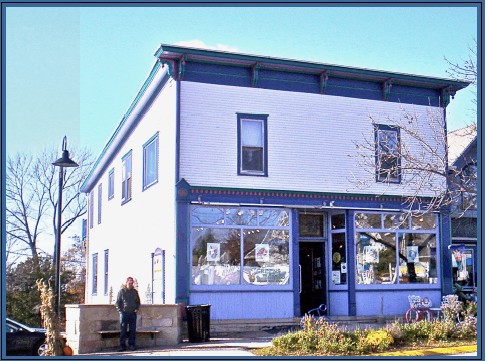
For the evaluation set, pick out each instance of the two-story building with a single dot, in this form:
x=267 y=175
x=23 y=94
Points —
x=230 y=181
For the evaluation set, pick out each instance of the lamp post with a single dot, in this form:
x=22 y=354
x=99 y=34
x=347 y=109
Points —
x=63 y=162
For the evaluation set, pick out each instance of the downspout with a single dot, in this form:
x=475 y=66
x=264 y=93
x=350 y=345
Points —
x=350 y=237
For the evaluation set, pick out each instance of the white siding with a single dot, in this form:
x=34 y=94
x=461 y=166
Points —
x=134 y=230
x=310 y=138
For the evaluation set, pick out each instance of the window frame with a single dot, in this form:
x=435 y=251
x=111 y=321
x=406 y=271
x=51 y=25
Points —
x=380 y=174
x=111 y=184
x=153 y=141
x=94 y=276
x=92 y=209
x=105 y=274
x=100 y=197
x=397 y=233
x=127 y=180
x=249 y=227
x=263 y=119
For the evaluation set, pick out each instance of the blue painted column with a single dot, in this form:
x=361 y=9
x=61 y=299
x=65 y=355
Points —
x=350 y=236
x=295 y=262
x=445 y=253
x=183 y=267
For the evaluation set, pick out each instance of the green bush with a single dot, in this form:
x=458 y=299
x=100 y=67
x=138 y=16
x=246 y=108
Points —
x=289 y=342
x=467 y=329
x=379 y=340
x=320 y=337
x=441 y=330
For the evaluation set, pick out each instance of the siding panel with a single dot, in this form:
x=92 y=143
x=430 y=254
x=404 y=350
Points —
x=311 y=138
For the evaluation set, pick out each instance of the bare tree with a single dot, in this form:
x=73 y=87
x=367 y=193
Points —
x=420 y=158
x=32 y=196
x=466 y=70
x=423 y=153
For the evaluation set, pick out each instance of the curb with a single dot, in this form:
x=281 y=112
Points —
x=432 y=351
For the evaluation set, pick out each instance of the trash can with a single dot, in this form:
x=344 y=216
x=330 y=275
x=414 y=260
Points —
x=198 y=317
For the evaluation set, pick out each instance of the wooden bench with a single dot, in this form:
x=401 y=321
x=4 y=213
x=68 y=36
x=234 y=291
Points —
x=116 y=333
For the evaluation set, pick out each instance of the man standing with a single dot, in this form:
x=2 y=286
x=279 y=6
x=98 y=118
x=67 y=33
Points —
x=127 y=304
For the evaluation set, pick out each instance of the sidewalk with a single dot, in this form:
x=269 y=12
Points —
x=217 y=346
x=242 y=345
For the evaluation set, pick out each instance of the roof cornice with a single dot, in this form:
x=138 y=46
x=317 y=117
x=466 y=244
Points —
x=167 y=52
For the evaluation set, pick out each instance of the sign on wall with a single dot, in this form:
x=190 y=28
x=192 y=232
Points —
x=158 y=274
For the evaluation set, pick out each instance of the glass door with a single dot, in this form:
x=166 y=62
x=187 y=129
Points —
x=312 y=271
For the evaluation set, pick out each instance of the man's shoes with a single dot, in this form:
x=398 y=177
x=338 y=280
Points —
x=121 y=349
x=132 y=348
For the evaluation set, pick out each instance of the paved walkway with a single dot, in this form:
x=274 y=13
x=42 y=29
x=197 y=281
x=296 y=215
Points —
x=223 y=346
x=244 y=343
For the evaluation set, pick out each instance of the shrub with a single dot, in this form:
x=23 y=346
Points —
x=470 y=309
x=467 y=329
x=320 y=337
x=289 y=342
x=396 y=330
x=379 y=340
x=441 y=330
x=451 y=307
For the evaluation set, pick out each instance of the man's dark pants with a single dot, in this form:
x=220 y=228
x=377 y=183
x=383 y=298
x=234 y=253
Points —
x=128 y=322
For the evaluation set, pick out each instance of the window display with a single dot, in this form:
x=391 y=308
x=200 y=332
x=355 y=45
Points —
x=240 y=246
x=394 y=248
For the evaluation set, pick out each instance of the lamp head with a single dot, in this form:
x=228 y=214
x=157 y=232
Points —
x=65 y=161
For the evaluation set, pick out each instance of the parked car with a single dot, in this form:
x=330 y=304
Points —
x=24 y=340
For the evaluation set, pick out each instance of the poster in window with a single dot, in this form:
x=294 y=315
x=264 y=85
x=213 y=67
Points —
x=343 y=267
x=213 y=252
x=413 y=254
x=371 y=254
x=262 y=253
x=335 y=276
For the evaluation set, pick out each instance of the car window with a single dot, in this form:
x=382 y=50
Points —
x=11 y=329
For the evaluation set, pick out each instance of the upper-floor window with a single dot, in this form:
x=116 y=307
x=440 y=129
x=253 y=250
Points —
x=91 y=208
x=111 y=184
x=127 y=177
x=252 y=144
x=99 y=202
x=469 y=186
x=387 y=153
x=151 y=163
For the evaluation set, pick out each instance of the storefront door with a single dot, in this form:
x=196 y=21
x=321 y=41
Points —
x=312 y=272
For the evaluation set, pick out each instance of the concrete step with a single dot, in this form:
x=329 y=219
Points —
x=275 y=327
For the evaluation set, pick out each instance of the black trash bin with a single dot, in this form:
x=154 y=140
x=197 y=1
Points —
x=198 y=317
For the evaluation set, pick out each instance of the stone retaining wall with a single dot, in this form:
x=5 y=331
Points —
x=83 y=322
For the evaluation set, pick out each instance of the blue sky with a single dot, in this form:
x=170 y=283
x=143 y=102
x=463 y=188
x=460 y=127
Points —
x=75 y=70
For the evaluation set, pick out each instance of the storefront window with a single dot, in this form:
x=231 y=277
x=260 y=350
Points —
x=266 y=256
x=368 y=220
x=394 y=248
x=376 y=257
x=337 y=221
x=220 y=237
x=311 y=225
x=241 y=216
x=417 y=257
x=216 y=256
x=339 y=259
x=207 y=215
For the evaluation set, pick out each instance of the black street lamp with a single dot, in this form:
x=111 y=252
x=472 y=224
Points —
x=63 y=162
